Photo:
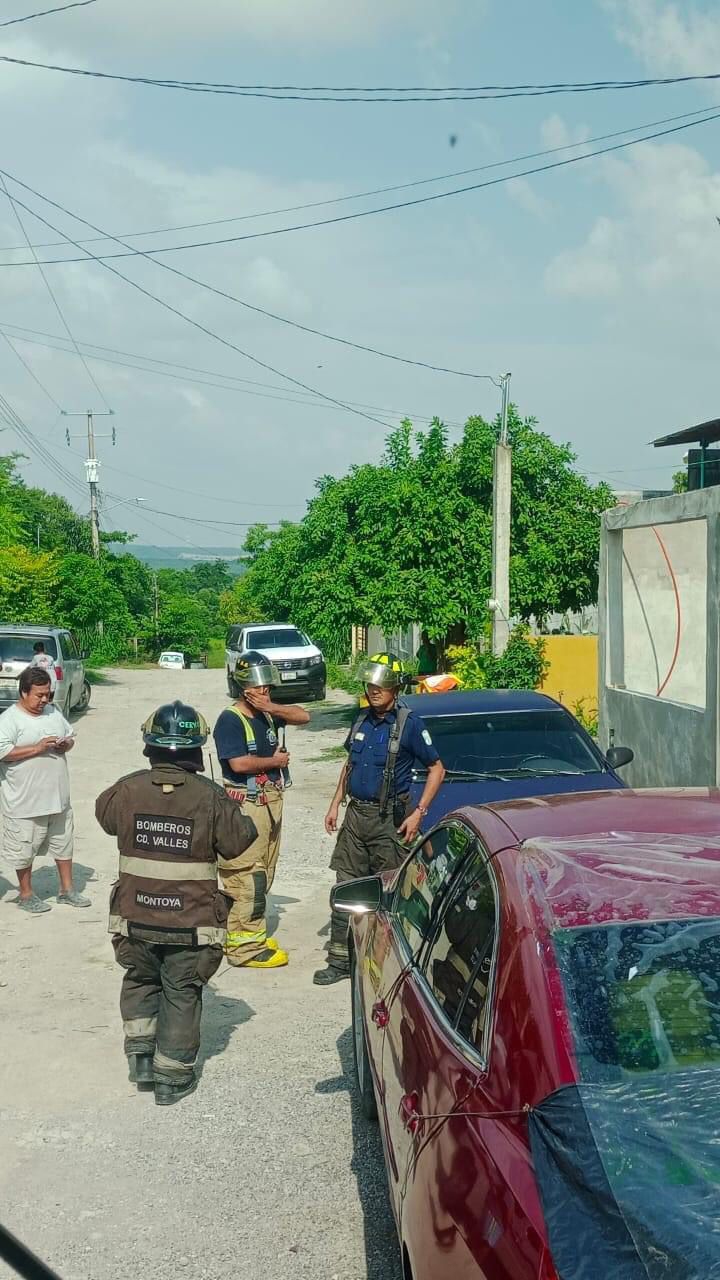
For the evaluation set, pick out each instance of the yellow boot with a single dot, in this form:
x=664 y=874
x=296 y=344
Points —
x=268 y=959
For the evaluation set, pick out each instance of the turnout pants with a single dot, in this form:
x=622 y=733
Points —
x=367 y=844
x=161 y=1002
x=248 y=879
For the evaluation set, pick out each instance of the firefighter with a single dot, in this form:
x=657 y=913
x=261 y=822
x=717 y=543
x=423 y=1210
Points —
x=384 y=745
x=255 y=773
x=167 y=914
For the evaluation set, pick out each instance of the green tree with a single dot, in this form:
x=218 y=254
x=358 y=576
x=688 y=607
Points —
x=182 y=624
x=680 y=482
x=28 y=583
x=134 y=581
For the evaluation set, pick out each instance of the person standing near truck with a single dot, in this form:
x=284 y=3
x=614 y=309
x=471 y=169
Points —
x=255 y=774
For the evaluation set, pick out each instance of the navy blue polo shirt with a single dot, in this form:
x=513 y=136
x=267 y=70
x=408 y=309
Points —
x=368 y=748
x=231 y=741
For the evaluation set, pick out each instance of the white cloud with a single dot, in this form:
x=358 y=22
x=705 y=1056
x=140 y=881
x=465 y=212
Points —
x=555 y=132
x=524 y=194
x=669 y=38
x=663 y=243
x=167 y=24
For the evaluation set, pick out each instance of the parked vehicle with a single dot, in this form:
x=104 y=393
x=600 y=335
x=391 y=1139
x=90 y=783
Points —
x=536 y=1018
x=299 y=661
x=500 y=743
x=172 y=660
x=16 y=653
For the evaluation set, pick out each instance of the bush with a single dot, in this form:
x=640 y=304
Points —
x=343 y=677
x=587 y=715
x=466 y=664
x=522 y=666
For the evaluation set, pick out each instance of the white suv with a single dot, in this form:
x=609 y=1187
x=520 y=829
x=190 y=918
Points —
x=299 y=661
x=16 y=653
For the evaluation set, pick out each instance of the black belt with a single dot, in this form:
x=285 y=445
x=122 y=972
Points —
x=375 y=804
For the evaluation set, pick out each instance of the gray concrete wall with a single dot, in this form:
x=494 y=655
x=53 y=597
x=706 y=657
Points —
x=658 y=660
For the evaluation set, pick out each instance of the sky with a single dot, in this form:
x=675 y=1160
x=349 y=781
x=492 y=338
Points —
x=594 y=284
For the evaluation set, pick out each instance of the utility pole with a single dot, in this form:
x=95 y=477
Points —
x=92 y=472
x=502 y=493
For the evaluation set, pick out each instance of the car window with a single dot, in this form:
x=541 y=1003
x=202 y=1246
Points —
x=19 y=648
x=530 y=741
x=644 y=997
x=458 y=962
x=425 y=879
x=276 y=638
x=68 y=645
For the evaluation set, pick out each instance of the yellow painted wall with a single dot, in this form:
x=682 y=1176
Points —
x=573 y=670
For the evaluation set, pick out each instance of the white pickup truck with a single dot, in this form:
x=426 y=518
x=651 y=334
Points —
x=300 y=663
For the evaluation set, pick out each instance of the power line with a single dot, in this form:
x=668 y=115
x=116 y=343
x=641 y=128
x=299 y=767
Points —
x=301 y=398
x=189 y=320
x=294 y=93
x=345 y=217
x=28 y=369
x=29 y=438
x=376 y=191
x=78 y=4
x=53 y=297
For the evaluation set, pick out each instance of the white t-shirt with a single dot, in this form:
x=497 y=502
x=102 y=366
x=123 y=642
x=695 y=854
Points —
x=39 y=786
x=46 y=663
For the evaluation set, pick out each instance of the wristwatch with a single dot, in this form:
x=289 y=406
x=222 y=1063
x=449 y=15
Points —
x=422 y=810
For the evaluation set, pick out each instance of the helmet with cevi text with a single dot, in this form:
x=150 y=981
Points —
x=253 y=670
x=176 y=727
x=382 y=669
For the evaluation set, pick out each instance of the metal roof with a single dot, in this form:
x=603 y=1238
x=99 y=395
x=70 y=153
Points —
x=703 y=433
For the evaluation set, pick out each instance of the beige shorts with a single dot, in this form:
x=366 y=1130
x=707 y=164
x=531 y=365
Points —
x=26 y=838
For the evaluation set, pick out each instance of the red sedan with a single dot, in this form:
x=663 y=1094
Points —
x=536 y=1014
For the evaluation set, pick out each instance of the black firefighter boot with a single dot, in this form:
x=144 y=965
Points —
x=141 y=1072
x=326 y=977
x=338 y=962
x=167 y=1094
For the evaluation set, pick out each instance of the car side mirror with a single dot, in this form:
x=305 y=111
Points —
x=356 y=897
x=619 y=756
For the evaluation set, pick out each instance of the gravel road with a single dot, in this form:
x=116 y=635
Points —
x=269 y=1170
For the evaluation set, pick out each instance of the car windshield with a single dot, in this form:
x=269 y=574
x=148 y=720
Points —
x=512 y=743
x=19 y=647
x=276 y=638
x=643 y=997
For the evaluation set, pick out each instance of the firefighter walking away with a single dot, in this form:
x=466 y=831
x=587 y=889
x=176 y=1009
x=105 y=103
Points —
x=167 y=914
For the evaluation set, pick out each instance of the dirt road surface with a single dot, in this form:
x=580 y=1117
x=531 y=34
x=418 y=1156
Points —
x=269 y=1170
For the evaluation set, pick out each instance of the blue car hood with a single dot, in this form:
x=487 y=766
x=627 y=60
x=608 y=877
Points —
x=457 y=794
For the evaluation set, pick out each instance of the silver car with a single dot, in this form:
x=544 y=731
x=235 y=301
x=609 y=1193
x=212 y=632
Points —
x=17 y=652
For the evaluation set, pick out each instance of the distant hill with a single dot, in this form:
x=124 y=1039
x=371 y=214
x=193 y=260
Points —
x=181 y=557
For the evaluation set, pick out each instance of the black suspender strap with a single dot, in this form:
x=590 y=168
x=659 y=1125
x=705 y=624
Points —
x=391 y=759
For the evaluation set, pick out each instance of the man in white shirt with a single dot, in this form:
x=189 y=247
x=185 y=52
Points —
x=46 y=663
x=35 y=789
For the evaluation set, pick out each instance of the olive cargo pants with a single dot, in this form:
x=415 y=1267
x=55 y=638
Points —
x=161 y=1002
x=248 y=879
x=367 y=844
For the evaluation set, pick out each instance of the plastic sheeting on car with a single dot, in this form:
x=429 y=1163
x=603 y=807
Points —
x=629 y=1177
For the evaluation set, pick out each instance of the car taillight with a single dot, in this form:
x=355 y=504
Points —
x=58 y=671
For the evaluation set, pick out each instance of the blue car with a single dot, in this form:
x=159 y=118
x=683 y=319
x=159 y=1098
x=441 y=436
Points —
x=498 y=744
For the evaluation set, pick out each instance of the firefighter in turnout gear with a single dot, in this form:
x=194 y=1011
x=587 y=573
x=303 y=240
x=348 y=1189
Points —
x=384 y=745
x=250 y=743
x=167 y=914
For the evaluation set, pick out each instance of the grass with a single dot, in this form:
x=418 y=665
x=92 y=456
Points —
x=329 y=753
x=216 y=654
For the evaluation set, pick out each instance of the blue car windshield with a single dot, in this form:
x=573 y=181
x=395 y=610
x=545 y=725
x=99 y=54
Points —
x=513 y=743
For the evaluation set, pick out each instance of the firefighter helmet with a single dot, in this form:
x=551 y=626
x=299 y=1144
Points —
x=384 y=670
x=176 y=727
x=253 y=670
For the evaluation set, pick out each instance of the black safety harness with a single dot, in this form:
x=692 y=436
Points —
x=388 y=778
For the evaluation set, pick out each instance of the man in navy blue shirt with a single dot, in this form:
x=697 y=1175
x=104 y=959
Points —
x=382 y=749
x=254 y=769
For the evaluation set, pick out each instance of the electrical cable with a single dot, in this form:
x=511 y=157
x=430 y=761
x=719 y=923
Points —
x=28 y=437
x=53 y=297
x=196 y=323
x=302 y=93
x=376 y=191
x=77 y=4
x=345 y=217
x=297 y=397
x=28 y=369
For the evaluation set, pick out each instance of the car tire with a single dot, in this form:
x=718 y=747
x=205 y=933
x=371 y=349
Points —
x=233 y=690
x=363 y=1070
x=321 y=694
x=84 y=702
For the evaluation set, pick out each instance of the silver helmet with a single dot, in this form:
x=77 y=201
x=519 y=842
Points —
x=383 y=670
x=253 y=670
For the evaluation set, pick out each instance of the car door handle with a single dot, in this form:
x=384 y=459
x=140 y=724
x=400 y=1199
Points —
x=380 y=1014
x=411 y=1117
